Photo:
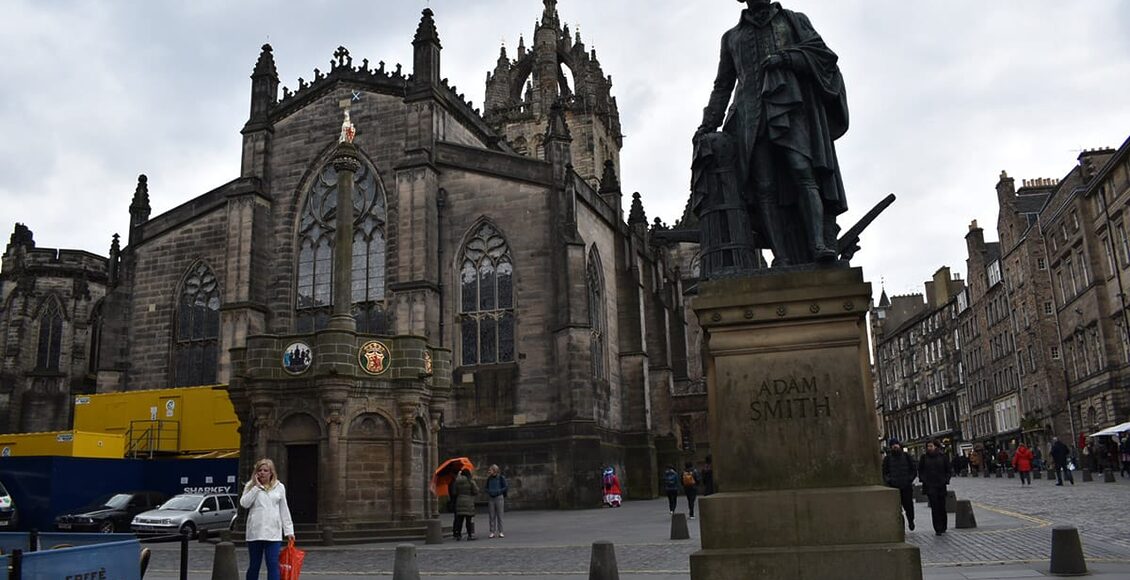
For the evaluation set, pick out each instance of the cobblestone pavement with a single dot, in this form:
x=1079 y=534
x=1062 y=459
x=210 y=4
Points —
x=1013 y=540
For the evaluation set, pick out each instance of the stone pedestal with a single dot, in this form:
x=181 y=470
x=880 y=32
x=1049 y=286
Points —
x=793 y=435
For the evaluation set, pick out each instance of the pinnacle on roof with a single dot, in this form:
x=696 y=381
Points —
x=608 y=181
x=140 y=194
x=266 y=63
x=636 y=215
x=21 y=236
x=426 y=31
x=884 y=302
x=557 y=126
x=549 y=15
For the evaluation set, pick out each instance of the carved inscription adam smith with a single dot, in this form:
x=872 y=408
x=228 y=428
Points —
x=789 y=398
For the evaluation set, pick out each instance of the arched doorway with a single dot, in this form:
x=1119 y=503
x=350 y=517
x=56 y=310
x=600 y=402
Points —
x=301 y=436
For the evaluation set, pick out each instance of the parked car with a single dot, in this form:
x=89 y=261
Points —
x=9 y=518
x=110 y=513
x=189 y=513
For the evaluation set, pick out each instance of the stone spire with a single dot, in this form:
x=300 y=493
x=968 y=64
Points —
x=264 y=85
x=426 y=49
x=636 y=216
x=549 y=15
x=139 y=208
x=557 y=128
x=115 y=259
x=610 y=188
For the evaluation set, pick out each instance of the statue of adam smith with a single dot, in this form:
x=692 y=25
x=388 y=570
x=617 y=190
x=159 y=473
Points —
x=788 y=108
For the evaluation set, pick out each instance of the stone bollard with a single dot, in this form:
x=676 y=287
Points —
x=404 y=567
x=434 y=532
x=965 y=518
x=919 y=495
x=223 y=563
x=603 y=563
x=1051 y=475
x=951 y=502
x=1067 y=552
x=327 y=536
x=1000 y=473
x=1108 y=476
x=1037 y=474
x=1011 y=474
x=679 y=529
x=1087 y=475
x=975 y=472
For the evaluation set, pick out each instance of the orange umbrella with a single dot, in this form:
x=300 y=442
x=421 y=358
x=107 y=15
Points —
x=446 y=473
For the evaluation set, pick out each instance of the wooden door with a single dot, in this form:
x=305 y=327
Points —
x=302 y=483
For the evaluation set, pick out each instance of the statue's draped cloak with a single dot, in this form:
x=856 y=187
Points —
x=803 y=103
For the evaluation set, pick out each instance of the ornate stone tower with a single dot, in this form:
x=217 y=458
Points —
x=520 y=93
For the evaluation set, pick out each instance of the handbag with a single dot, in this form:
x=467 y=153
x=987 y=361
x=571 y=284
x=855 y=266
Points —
x=290 y=561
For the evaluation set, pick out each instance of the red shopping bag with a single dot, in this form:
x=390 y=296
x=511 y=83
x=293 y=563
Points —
x=290 y=561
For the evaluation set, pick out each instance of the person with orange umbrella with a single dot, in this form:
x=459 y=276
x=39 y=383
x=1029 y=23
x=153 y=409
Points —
x=464 y=489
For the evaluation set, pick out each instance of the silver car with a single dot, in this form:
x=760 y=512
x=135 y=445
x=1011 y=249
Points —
x=187 y=514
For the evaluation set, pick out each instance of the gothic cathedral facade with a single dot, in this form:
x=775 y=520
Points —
x=502 y=307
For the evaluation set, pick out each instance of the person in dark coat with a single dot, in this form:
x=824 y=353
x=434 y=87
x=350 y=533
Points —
x=1059 y=456
x=789 y=106
x=708 y=476
x=671 y=486
x=899 y=472
x=465 y=491
x=934 y=473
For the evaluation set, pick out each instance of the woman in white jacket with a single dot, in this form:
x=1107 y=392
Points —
x=268 y=519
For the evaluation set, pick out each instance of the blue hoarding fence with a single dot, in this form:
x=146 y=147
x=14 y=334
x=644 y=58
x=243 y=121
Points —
x=12 y=541
x=111 y=560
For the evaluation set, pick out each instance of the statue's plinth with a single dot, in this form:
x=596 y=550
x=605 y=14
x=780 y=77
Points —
x=792 y=425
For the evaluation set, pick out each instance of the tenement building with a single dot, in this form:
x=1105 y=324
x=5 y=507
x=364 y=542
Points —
x=484 y=297
x=918 y=363
x=1041 y=325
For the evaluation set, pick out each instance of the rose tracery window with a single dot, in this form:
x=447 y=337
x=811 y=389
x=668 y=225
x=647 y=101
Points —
x=315 y=253
x=486 y=308
x=197 y=345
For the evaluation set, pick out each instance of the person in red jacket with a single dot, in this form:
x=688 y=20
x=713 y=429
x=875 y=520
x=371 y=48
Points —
x=1022 y=463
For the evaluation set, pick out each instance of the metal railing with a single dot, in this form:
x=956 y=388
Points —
x=151 y=437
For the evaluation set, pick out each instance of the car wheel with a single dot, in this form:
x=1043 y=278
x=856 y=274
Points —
x=106 y=527
x=188 y=529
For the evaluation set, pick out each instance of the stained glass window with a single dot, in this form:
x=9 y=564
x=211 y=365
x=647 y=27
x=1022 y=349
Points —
x=50 y=339
x=486 y=277
x=197 y=343
x=596 y=313
x=315 y=253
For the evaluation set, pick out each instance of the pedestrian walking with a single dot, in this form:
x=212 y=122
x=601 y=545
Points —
x=1037 y=458
x=934 y=473
x=610 y=485
x=708 y=476
x=268 y=519
x=671 y=486
x=899 y=472
x=465 y=491
x=1062 y=466
x=1022 y=463
x=690 y=480
x=496 y=499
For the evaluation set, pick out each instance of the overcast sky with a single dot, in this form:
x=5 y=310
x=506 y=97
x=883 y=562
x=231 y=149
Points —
x=943 y=96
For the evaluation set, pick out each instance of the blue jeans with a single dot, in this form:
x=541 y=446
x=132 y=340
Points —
x=257 y=550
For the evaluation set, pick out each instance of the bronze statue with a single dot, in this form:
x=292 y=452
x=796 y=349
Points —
x=789 y=106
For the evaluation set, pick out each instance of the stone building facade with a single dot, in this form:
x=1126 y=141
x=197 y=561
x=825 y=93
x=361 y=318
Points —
x=488 y=298
x=50 y=324
x=1040 y=326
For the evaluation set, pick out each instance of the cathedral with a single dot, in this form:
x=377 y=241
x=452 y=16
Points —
x=487 y=297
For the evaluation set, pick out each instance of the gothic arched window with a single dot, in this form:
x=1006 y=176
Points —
x=50 y=338
x=197 y=344
x=96 y=319
x=315 y=253
x=597 y=319
x=486 y=308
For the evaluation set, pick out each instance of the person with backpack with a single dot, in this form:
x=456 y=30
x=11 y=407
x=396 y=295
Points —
x=690 y=479
x=899 y=472
x=496 y=499
x=671 y=486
